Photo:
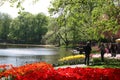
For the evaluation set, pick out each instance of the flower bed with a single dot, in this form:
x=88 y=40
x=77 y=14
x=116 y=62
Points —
x=71 y=57
x=94 y=59
x=44 y=71
x=24 y=70
x=70 y=60
x=107 y=55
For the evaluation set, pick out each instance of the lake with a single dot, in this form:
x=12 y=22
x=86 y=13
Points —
x=21 y=56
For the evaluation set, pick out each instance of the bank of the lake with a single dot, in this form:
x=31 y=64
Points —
x=23 y=45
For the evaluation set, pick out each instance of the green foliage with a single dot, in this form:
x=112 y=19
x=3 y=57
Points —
x=97 y=61
x=28 y=28
x=5 y=21
x=108 y=63
x=73 y=21
x=79 y=20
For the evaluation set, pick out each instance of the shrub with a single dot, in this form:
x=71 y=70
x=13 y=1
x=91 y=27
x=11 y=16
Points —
x=107 y=61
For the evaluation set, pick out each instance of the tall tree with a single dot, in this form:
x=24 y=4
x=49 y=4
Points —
x=83 y=19
x=5 y=21
x=105 y=18
x=73 y=17
x=28 y=28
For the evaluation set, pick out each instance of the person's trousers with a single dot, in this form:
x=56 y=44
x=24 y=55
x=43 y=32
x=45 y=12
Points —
x=113 y=54
x=102 y=56
x=87 y=59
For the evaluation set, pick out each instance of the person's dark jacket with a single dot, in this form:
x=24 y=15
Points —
x=87 y=49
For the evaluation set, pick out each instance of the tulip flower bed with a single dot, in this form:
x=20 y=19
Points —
x=18 y=72
x=44 y=71
x=70 y=60
x=72 y=57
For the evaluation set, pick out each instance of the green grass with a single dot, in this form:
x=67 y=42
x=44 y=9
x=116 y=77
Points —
x=108 y=63
x=105 y=66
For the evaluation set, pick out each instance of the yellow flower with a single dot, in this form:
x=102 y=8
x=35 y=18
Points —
x=71 y=57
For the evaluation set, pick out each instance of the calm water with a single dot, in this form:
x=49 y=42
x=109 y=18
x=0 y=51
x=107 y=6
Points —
x=21 y=56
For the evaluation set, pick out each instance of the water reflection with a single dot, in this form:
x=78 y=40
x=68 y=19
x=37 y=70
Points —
x=21 y=56
x=26 y=51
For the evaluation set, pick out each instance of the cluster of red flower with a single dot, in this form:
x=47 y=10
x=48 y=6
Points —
x=44 y=71
x=3 y=66
x=25 y=70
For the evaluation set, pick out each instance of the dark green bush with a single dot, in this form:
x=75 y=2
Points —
x=107 y=61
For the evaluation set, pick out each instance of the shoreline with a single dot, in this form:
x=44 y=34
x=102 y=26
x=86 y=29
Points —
x=24 y=45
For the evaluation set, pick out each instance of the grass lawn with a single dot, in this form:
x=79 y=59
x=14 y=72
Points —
x=104 y=66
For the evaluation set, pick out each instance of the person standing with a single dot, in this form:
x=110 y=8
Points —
x=87 y=50
x=113 y=50
x=102 y=51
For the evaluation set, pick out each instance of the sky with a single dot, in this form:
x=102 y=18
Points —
x=40 y=6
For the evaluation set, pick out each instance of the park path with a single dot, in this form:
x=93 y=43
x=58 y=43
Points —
x=72 y=66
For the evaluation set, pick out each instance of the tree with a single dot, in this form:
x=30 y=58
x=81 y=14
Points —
x=28 y=28
x=82 y=19
x=77 y=20
x=106 y=20
x=74 y=17
x=5 y=21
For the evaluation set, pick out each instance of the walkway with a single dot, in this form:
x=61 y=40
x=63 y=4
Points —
x=72 y=66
